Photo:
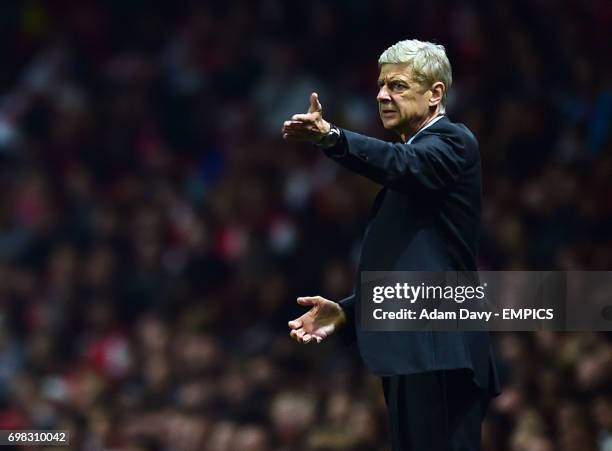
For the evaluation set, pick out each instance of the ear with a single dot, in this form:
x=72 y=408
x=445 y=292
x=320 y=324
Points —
x=437 y=91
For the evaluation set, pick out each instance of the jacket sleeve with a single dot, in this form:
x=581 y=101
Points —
x=433 y=161
x=347 y=333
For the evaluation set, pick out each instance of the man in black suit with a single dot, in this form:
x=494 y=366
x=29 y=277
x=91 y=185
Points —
x=425 y=218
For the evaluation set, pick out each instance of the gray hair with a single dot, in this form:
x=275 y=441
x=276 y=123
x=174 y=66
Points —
x=428 y=61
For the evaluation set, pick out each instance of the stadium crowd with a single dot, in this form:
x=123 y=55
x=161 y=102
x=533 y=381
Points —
x=155 y=230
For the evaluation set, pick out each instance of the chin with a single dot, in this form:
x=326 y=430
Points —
x=389 y=125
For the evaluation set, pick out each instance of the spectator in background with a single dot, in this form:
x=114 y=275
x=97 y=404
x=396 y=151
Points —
x=139 y=183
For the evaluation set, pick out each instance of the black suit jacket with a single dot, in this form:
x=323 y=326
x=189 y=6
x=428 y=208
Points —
x=426 y=218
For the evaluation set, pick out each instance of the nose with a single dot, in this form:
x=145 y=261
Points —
x=383 y=94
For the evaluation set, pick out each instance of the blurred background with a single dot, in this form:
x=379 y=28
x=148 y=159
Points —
x=155 y=230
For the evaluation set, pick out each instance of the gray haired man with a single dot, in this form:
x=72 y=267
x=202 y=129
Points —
x=426 y=217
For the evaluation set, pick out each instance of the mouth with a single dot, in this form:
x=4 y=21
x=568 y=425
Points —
x=388 y=112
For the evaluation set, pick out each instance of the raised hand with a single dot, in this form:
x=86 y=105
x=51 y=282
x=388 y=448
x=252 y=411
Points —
x=309 y=126
x=318 y=323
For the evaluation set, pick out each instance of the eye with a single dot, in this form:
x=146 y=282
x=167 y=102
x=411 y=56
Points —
x=397 y=86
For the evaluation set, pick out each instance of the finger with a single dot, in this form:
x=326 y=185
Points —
x=306 y=338
x=318 y=339
x=307 y=118
x=298 y=134
x=315 y=105
x=296 y=137
x=291 y=123
x=293 y=334
x=297 y=129
x=308 y=300
x=296 y=323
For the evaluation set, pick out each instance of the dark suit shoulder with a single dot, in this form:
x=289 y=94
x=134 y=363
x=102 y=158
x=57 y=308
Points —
x=447 y=127
x=454 y=132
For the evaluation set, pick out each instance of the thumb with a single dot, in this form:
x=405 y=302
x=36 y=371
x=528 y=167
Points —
x=295 y=323
x=315 y=105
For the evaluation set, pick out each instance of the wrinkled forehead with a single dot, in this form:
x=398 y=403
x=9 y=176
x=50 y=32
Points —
x=392 y=71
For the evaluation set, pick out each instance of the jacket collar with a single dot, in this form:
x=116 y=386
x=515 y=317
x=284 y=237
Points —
x=429 y=124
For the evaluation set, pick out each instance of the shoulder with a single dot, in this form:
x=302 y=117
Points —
x=455 y=133
x=446 y=126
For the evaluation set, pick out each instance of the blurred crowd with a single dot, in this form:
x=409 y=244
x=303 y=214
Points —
x=155 y=230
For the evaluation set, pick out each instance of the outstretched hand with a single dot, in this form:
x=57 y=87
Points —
x=318 y=323
x=309 y=126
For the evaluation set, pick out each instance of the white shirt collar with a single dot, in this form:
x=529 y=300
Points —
x=429 y=124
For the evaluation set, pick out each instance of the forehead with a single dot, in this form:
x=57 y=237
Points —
x=389 y=71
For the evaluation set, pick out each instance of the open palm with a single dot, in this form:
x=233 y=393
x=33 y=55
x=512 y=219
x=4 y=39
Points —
x=319 y=322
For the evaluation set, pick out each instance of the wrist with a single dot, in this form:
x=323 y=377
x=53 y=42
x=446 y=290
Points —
x=330 y=138
x=341 y=316
x=326 y=127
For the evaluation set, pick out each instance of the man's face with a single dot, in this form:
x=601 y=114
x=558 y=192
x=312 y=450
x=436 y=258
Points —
x=403 y=104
